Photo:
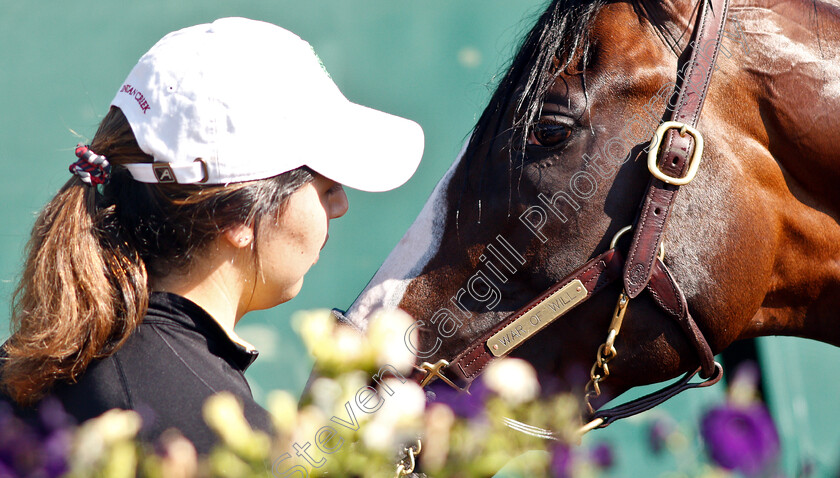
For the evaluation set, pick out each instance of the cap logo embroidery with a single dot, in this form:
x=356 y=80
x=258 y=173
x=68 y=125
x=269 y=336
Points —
x=138 y=96
x=163 y=173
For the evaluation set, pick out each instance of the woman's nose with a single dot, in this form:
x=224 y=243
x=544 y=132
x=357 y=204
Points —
x=338 y=203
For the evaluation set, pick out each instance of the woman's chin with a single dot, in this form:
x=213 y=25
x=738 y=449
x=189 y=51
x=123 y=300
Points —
x=273 y=299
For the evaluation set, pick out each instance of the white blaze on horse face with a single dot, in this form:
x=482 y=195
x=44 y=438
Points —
x=416 y=248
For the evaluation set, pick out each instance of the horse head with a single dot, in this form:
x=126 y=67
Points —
x=556 y=166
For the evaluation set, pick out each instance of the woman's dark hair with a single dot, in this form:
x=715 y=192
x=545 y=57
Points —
x=91 y=255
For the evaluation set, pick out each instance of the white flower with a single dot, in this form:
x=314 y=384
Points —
x=325 y=394
x=399 y=420
x=386 y=333
x=117 y=425
x=513 y=379
x=380 y=436
x=405 y=403
x=348 y=347
x=439 y=421
x=310 y=420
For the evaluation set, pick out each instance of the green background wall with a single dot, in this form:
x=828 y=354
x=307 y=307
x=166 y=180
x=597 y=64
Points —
x=429 y=60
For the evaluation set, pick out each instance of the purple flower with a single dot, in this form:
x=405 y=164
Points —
x=55 y=451
x=37 y=447
x=465 y=405
x=52 y=417
x=741 y=438
x=561 y=461
x=806 y=468
x=6 y=471
x=602 y=455
x=658 y=434
x=748 y=373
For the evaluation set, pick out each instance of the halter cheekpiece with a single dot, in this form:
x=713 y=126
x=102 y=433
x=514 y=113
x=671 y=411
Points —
x=93 y=169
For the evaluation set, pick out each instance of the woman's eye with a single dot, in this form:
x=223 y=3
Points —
x=548 y=134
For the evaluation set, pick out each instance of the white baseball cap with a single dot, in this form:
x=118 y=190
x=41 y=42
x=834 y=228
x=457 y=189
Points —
x=239 y=100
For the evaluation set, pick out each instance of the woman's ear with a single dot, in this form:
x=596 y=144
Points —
x=239 y=236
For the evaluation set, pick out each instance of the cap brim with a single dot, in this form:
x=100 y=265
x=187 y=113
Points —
x=367 y=149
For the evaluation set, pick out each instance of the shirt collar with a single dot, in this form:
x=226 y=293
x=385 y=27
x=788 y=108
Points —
x=190 y=315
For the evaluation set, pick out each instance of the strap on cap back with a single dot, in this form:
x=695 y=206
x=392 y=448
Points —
x=168 y=173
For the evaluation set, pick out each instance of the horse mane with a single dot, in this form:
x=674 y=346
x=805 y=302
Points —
x=559 y=38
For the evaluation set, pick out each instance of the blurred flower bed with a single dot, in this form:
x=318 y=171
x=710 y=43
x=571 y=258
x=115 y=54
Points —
x=361 y=413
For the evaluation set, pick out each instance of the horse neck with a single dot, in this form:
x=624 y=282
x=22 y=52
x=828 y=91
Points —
x=793 y=71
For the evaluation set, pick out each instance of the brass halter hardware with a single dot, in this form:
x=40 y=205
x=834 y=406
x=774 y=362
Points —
x=436 y=371
x=694 y=161
x=600 y=369
x=407 y=464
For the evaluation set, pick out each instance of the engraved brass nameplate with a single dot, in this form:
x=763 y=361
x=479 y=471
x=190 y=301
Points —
x=546 y=312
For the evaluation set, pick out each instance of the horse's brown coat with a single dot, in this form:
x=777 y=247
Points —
x=754 y=241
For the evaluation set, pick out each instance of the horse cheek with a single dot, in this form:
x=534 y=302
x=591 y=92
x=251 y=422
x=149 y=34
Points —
x=449 y=324
x=491 y=297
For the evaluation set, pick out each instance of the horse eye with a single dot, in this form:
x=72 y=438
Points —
x=548 y=134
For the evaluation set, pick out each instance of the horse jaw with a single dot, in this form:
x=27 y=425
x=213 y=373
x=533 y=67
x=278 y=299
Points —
x=408 y=259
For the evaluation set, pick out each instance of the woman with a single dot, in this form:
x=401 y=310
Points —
x=206 y=193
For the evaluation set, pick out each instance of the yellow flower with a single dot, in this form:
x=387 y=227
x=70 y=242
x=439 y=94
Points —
x=334 y=347
x=180 y=459
x=224 y=414
x=283 y=408
x=313 y=326
x=105 y=443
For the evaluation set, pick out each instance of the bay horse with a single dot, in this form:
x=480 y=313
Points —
x=555 y=168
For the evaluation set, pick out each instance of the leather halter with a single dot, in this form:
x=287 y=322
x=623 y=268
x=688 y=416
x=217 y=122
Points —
x=674 y=155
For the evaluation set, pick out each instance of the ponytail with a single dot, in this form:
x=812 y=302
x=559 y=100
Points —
x=79 y=297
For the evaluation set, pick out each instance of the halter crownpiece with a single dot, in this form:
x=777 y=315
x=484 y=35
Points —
x=93 y=169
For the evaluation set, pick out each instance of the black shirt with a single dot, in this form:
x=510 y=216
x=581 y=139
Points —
x=177 y=358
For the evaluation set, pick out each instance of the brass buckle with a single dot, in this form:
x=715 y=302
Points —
x=693 y=162
x=436 y=371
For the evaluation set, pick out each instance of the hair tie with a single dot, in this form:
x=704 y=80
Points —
x=92 y=168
